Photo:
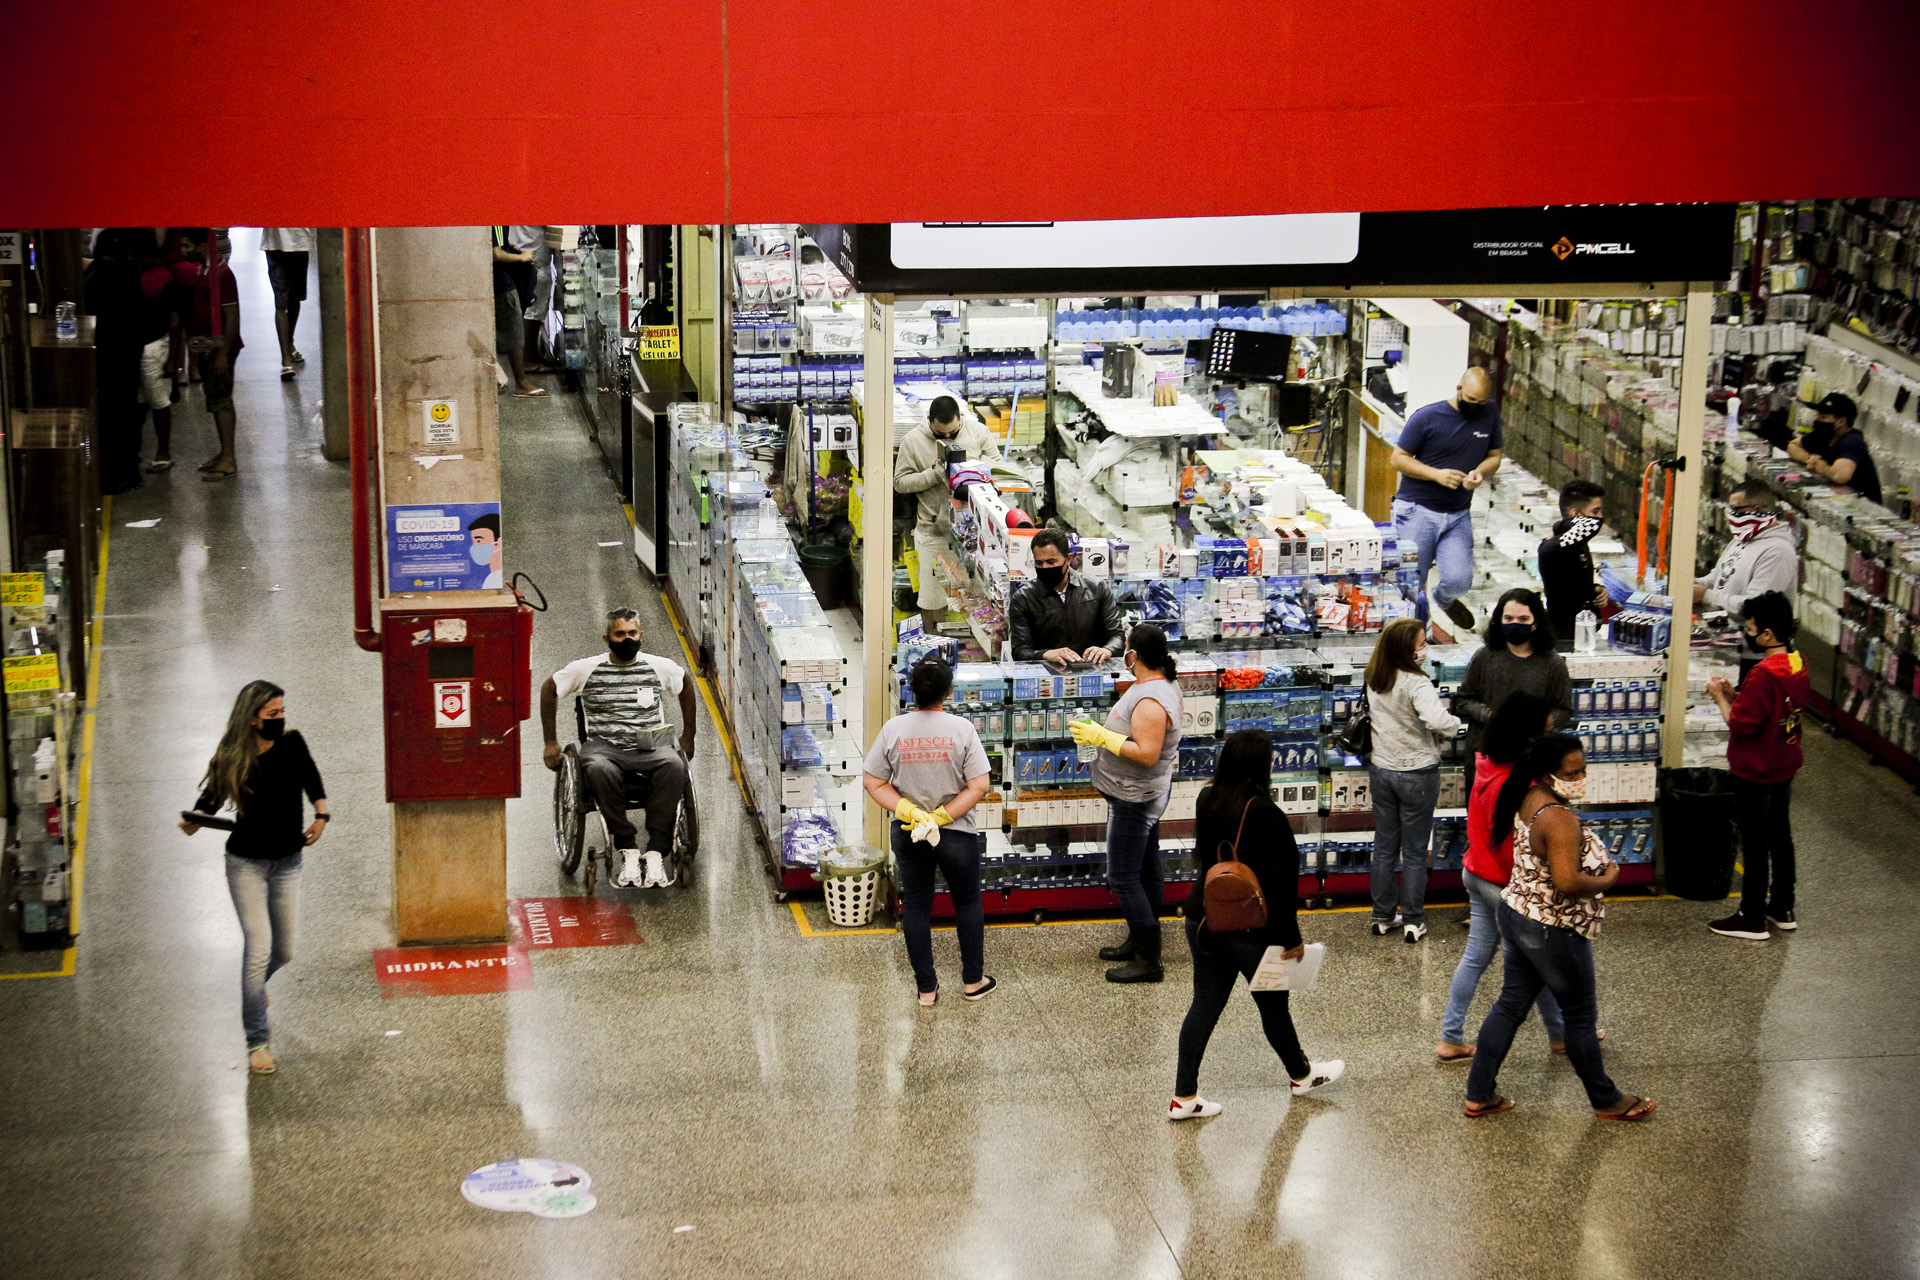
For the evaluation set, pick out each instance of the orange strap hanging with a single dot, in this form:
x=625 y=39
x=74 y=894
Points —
x=1646 y=483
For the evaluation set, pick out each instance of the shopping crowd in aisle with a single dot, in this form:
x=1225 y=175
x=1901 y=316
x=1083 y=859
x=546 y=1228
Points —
x=1535 y=874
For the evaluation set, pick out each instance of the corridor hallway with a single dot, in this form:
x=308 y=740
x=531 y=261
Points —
x=752 y=1101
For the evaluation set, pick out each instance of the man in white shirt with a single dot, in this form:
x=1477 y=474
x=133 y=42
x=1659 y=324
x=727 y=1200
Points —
x=287 y=249
x=625 y=733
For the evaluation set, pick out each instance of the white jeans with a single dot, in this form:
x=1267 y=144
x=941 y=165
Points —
x=156 y=384
x=929 y=544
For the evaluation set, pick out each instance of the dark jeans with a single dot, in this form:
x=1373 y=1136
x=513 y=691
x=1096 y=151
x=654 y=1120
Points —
x=1561 y=961
x=660 y=769
x=1402 y=830
x=1766 y=844
x=957 y=857
x=1218 y=958
x=1133 y=859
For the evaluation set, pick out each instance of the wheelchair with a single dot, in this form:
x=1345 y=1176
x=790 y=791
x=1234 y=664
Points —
x=580 y=835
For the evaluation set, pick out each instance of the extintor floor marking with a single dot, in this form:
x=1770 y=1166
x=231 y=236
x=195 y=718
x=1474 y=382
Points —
x=540 y=924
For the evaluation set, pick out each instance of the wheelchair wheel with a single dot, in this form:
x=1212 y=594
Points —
x=686 y=841
x=569 y=813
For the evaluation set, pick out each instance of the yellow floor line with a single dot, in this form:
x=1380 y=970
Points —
x=701 y=683
x=83 y=790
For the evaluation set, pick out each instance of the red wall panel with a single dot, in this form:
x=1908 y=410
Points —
x=436 y=111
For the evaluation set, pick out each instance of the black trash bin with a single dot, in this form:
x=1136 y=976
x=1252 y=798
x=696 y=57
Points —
x=1697 y=837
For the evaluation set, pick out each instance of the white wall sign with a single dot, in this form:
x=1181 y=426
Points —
x=453 y=704
x=13 y=248
x=442 y=419
x=1141 y=242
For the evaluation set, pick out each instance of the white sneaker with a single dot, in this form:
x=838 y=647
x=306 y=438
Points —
x=1415 y=932
x=657 y=877
x=1320 y=1075
x=1198 y=1109
x=629 y=872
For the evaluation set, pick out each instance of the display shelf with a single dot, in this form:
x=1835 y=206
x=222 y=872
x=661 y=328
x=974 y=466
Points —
x=36 y=867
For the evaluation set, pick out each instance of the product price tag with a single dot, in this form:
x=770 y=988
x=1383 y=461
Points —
x=25 y=589
x=659 y=342
x=35 y=673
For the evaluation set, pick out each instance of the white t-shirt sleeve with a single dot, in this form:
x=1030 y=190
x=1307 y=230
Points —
x=673 y=676
x=568 y=679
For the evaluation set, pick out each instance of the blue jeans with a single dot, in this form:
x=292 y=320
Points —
x=1483 y=939
x=1133 y=859
x=1402 y=830
x=1541 y=957
x=957 y=857
x=1446 y=536
x=266 y=897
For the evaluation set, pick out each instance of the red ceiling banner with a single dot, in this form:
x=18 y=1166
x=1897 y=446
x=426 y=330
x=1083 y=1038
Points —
x=362 y=112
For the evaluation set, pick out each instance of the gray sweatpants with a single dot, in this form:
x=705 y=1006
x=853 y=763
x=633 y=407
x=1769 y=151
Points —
x=664 y=773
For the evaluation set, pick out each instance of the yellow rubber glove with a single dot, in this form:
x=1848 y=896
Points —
x=910 y=814
x=941 y=816
x=1087 y=733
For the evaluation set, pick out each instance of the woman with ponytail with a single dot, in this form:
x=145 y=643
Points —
x=262 y=771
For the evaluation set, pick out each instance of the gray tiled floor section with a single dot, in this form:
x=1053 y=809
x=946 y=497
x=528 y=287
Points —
x=782 y=1096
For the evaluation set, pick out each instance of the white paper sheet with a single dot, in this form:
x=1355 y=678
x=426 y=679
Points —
x=1275 y=974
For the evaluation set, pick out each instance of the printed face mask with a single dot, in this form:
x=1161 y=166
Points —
x=624 y=650
x=1567 y=789
x=1745 y=524
x=482 y=552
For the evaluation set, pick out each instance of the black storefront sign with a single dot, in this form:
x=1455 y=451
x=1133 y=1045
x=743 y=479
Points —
x=1553 y=245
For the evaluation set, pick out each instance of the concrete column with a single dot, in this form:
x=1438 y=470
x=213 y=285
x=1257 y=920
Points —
x=1685 y=516
x=433 y=291
x=333 y=343
x=876 y=535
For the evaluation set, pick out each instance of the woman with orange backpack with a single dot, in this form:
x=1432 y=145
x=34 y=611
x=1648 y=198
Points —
x=1238 y=822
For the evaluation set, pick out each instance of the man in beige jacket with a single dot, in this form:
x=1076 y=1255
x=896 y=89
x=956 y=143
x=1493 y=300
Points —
x=921 y=468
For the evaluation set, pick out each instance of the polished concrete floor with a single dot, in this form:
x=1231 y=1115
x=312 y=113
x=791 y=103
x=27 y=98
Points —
x=753 y=1102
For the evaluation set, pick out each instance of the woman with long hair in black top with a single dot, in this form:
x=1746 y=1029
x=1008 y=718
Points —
x=262 y=771
x=1241 y=793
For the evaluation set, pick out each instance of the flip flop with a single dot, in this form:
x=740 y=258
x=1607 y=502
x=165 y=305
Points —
x=1642 y=1109
x=926 y=1003
x=1493 y=1108
x=980 y=992
x=228 y=474
x=286 y=373
x=1448 y=1059
x=159 y=465
x=298 y=358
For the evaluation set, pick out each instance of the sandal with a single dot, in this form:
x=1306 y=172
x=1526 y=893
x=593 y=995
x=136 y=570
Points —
x=1493 y=1108
x=1642 y=1109
x=298 y=358
x=980 y=992
x=286 y=373
x=928 y=999
x=1462 y=1053
x=227 y=474
x=160 y=464
x=260 y=1061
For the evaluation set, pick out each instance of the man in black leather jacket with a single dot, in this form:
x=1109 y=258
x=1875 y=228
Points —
x=1062 y=617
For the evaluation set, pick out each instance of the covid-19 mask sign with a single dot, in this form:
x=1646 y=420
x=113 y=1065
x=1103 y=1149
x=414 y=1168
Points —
x=450 y=546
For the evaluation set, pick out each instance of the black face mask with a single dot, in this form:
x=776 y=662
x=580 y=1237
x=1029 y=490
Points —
x=272 y=729
x=945 y=435
x=1749 y=643
x=1472 y=408
x=1517 y=632
x=1051 y=576
x=624 y=650
x=1821 y=435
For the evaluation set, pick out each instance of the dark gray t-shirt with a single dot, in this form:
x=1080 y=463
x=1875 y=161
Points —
x=928 y=757
x=1123 y=779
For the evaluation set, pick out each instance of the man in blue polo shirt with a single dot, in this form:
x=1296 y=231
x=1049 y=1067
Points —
x=1446 y=451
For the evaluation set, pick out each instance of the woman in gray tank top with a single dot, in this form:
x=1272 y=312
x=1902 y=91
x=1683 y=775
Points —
x=1133 y=769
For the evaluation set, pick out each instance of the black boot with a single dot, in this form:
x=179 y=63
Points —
x=1145 y=965
x=1125 y=950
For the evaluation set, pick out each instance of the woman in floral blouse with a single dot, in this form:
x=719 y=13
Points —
x=1549 y=916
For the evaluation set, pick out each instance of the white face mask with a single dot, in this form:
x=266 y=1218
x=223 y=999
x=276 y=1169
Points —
x=1567 y=789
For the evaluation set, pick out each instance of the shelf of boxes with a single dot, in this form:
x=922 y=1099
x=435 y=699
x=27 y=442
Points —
x=36 y=867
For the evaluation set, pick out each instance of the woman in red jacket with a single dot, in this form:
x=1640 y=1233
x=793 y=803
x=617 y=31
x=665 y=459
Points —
x=1519 y=722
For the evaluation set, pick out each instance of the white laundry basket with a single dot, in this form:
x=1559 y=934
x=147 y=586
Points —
x=850 y=878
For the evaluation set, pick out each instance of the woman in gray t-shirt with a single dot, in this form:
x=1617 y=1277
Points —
x=928 y=769
x=1142 y=735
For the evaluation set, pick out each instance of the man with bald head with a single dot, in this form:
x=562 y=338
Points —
x=1446 y=451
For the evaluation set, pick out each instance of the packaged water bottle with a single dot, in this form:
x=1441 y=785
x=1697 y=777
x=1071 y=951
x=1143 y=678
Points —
x=1586 y=630
x=66 y=319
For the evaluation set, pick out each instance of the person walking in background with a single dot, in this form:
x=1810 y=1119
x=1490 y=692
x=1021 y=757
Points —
x=1235 y=812
x=1763 y=754
x=928 y=769
x=164 y=356
x=212 y=290
x=1446 y=451
x=287 y=249
x=509 y=330
x=262 y=770
x=1522 y=720
x=1133 y=768
x=531 y=280
x=1566 y=563
x=122 y=323
x=1550 y=915
x=1404 y=771
x=1516 y=656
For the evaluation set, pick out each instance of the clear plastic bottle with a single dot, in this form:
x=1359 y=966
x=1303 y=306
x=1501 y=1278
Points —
x=1586 y=632
x=66 y=319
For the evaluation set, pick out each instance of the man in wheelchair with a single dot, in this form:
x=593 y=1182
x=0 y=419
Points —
x=625 y=733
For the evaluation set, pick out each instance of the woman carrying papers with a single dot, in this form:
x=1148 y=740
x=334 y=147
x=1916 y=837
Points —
x=1238 y=820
